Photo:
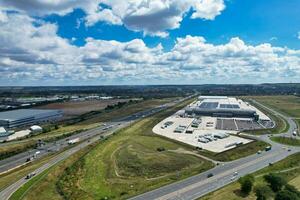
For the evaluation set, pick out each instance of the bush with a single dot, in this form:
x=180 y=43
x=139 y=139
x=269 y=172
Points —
x=246 y=183
x=286 y=195
x=160 y=149
x=276 y=182
x=292 y=189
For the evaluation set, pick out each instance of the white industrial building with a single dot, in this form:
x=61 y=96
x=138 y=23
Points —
x=221 y=106
x=213 y=123
x=24 y=117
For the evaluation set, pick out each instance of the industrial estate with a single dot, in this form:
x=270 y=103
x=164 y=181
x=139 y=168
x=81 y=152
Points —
x=9 y=120
x=144 y=147
x=213 y=123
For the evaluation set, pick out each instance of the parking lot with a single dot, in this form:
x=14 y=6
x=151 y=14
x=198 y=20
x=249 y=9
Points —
x=204 y=136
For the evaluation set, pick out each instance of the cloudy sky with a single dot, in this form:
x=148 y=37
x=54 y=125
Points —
x=101 y=42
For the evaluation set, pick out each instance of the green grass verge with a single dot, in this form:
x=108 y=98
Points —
x=129 y=163
x=16 y=174
x=238 y=152
x=286 y=140
x=288 y=168
x=22 y=191
x=280 y=127
x=43 y=186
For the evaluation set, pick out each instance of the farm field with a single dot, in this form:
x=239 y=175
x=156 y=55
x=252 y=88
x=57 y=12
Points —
x=73 y=109
x=288 y=168
x=132 y=161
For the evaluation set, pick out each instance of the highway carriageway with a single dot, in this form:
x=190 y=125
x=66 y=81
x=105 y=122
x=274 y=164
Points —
x=225 y=173
x=90 y=136
x=21 y=158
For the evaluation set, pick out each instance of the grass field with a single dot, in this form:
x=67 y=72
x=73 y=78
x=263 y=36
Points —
x=286 y=140
x=236 y=153
x=108 y=170
x=288 y=168
x=298 y=124
x=289 y=105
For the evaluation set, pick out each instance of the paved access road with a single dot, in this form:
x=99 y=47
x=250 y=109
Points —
x=87 y=137
x=225 y=173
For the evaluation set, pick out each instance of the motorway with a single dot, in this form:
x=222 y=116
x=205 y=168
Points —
x=21 y=158
x=190 y=188
x=225 y=173
x=86 y=138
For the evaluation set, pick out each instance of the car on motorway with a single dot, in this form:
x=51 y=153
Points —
x=259 y=152
x=235 y=173
x=36 y=154
x=268 y=148
x=295 y=133
x=29 y=159
x=210 y=175
x=30 y=175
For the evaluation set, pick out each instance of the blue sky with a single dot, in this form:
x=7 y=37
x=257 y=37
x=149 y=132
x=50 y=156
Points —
x=149 y=42
x=255 y=21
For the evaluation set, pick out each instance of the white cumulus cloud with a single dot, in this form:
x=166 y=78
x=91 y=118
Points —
x=152 y=17
x=32 y=52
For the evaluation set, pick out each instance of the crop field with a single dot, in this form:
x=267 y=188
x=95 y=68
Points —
x=73 y=109
x=132 y=161
x=288 y=168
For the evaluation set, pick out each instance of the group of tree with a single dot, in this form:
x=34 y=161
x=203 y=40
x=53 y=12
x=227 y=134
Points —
x=276 y=188
x=280 y=187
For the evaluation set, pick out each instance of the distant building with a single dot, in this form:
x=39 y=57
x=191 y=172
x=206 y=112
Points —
x=36 y=129
x=24 y=117
x=221 y=106
x=3 y=132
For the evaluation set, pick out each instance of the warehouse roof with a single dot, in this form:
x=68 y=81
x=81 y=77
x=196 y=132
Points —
x=23 y=113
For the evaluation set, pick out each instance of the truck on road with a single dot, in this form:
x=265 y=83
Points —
x=30 y=175
x=268 y=148
x=294 y=133
x=73 y=141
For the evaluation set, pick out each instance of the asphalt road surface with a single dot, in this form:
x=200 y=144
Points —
x=225 y=173
x=21 y=158
x=195 y=186
x=87 y=137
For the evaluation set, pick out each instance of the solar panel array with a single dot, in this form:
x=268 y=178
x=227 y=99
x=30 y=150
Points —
x=230 y=106
x=209 y=105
